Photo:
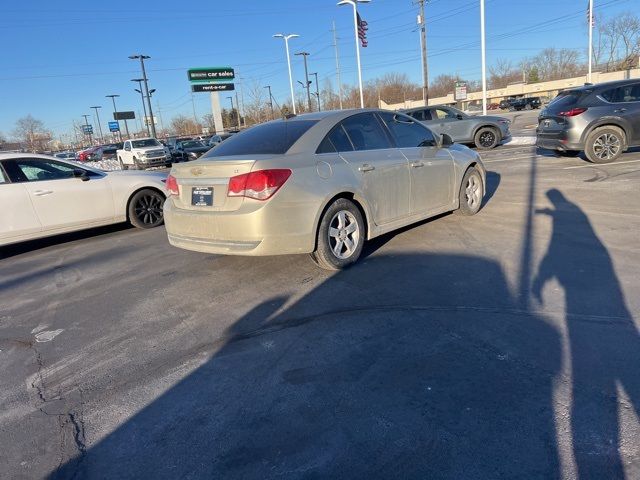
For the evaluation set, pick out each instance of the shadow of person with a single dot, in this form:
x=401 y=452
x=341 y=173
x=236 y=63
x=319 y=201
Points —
x=404 y=366
x=604 y=342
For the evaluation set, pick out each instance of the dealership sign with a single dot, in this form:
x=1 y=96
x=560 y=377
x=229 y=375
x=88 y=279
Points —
x=210 y=74
x=460 y=91
x=212 y=87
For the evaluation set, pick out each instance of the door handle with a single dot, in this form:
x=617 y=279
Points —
x=417 y=164
x=620 y=110
x=366 y=168
x=42 y=193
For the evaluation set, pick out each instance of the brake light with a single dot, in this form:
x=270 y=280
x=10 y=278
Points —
x=261 y=184
x=172 y=186
x=573 y=112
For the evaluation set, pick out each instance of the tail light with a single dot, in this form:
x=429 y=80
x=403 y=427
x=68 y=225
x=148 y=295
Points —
x=82 y=156
x=261 y=184
x=573 y=112
x=172 y=186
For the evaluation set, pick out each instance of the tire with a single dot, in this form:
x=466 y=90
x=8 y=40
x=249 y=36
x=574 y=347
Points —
x=341 y=225
x=145 y=209
x=605 y=144
x=486 y=138
x=122 y=165
x=136 y=164
x=568 y=153
x=471 y=192
x=527 y=106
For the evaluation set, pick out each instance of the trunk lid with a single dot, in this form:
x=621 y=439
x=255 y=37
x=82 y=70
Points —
x=201 y=179
x=550 y=119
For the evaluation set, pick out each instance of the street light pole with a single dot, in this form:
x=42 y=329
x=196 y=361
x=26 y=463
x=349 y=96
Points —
x=270 y=100
x=86 y=122
x=354 y=3
x=98 y=118
x=286 y=46
x=115 y=111
x=315 y=74
x=484 y=60
x=306 y=76
x=144 y=107
x=146 y=89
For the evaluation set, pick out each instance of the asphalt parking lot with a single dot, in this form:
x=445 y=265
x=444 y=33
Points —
x=503 y=345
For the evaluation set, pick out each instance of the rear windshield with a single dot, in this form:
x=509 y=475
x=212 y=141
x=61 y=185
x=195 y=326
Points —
x=269 y=138
x=564 y=100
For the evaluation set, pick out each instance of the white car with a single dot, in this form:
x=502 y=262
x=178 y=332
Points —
x=42 y=196
x=141 y=153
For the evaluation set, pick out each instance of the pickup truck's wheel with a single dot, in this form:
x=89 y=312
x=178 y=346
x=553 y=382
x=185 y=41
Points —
x=136 y=164
x=486 y=138
x=145 y=209
x=604 y=144
x=122 y=165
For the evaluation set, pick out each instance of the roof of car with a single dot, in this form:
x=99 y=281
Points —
x=613 y=83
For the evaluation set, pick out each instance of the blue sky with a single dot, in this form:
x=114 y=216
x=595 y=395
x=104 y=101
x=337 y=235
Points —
x=60 y=58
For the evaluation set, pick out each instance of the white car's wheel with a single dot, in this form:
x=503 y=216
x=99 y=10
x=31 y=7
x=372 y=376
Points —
x=145 y=209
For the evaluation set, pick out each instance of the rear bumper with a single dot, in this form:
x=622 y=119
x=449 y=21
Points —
x=253 y=230
x=556 y=141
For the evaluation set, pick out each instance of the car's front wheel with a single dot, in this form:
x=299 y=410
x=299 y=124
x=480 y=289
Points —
x=145 y=209
x=471 y=192
x=340 y=236
x=604 y=144
x=486 y=138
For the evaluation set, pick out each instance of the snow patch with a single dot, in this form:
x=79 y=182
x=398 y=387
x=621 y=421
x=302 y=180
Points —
x=520 y=140
x=48 y=335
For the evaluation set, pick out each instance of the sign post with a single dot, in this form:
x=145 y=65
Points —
x=114 y=127
x=460 y=93
x=212 y=80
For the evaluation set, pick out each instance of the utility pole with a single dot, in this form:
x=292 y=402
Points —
x=98 y=118
x=86 y=122
x=423 y=46
x=335 y=46
x=306 y=77
x=193 y=105
x=315 y=74
x=270 y=100
x=115 y=111
x=144 y=107
x=160 y=116
x=146 y=88
x=237 y=116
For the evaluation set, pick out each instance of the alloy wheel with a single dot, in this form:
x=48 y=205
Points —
x=473 y=191
x=344 y=234
x=606 y=146
x=487 y=139
x=148 y=208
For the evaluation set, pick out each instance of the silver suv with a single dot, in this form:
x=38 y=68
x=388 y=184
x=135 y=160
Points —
x=600 y=120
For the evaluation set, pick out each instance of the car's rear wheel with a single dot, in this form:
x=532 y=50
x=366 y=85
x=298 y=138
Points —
x=471 y=192
x=605 y=144
x=486 y=138
x=122 y=165
x=145 y=209
x=340 y=236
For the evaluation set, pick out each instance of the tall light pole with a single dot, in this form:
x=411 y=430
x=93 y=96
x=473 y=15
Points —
x=270 y=100
x=484 y=60
x=335 y=46
x=144 y=107
x=231 y=115
x=115 y=111
x=86 y=122
x=286 y=46
x=354 y=3
x=315 y=74
x=146 y=88
x=590 y=38
x=98 y=118
x=306 y=76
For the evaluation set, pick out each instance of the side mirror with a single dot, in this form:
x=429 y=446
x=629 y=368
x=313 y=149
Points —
x=447 y=141
x=81 y=174
x=459 y=116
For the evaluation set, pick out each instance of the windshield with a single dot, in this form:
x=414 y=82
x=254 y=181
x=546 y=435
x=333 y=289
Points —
x=192 y=144
x=147 y=142
x=268 y=138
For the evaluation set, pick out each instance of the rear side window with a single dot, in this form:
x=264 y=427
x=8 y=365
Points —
x=335 y=141
x=365 y=132
x=3 y=177
x=269 y=138
x=407 y=133
x=627 y=93
x=564 y=101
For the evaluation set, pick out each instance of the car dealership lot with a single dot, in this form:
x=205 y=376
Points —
x=495 y=346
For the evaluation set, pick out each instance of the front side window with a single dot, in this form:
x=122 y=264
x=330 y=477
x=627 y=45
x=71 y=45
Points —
x=40 y=170
x=269 y=138
x=421 y=115
x=365 y=132
x=627 y=93
x=408 y=133
x=3 y=178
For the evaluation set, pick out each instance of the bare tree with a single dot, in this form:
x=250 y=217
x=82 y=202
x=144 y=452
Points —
x=2 y=138
x=554 y=64
x=183 y=125
x=32 y=134
x=502 y=74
